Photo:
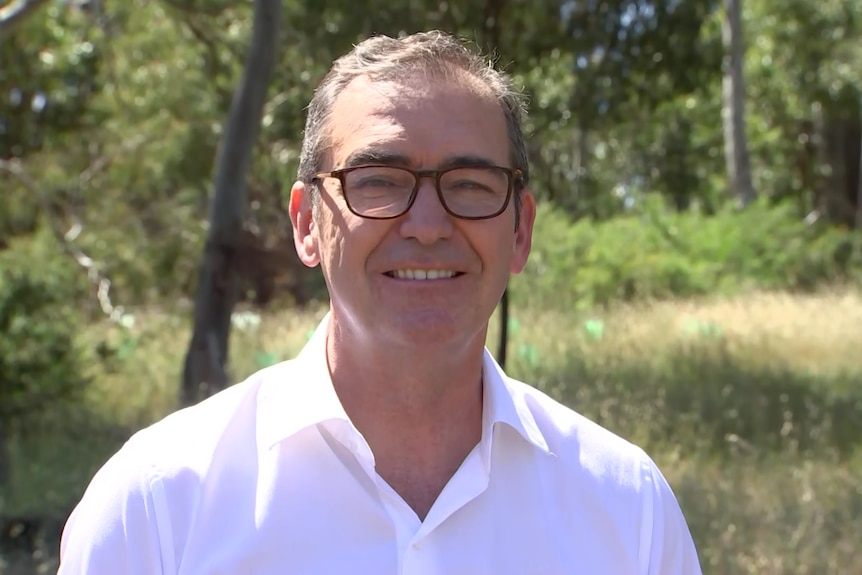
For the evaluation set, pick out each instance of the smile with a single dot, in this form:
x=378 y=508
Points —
x=422 y=274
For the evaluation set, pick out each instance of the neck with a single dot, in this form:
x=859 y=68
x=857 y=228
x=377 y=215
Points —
x=419 y=411
x=404 y=386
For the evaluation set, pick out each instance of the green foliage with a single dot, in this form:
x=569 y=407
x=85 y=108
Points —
x=117 y=116
x=141 y=91
x=47 y=72
x=654 y=253
x=40 y=361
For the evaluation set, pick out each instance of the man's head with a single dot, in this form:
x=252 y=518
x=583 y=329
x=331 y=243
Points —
x=432 y=54
x=405 y=192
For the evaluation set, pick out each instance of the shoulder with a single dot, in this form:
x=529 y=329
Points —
x=189 y=439
x=180 y=446
x=617 y=479
x=578 y=440
x=123 y=520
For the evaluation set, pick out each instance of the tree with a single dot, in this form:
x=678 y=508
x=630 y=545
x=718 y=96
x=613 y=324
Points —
x=204 y=372
x=733 y=112
x=15 y=12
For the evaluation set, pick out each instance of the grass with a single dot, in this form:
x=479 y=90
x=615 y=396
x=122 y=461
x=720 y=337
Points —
x=771 y=370
x=752 y=407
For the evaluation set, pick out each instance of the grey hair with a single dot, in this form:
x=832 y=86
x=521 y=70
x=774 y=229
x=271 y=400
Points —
x=382 y=58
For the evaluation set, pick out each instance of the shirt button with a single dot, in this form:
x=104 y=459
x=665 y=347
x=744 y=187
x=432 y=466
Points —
x=417 y=545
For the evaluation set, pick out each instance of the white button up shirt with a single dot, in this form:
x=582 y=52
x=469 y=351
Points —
x=270 y=477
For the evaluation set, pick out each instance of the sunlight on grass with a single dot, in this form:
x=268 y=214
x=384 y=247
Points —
x=769 y=514
x=819 y=333
x=139 y=382
x=752 y=406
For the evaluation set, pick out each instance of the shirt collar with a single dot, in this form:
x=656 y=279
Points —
x=505 y=402
x=299 y=393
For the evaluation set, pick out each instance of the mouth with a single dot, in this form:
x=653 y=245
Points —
x=409 y=274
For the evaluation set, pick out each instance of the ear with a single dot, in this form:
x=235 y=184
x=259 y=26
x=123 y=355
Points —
x=523 y=232
x=304 y=226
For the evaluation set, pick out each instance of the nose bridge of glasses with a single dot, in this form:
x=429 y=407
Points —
x=430 y=176
x=430 y=180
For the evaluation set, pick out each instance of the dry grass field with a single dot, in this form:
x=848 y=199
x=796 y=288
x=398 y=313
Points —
x=752 y=406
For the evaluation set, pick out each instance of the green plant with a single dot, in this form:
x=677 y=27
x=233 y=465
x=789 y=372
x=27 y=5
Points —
x=39 y=362
x=654 y=253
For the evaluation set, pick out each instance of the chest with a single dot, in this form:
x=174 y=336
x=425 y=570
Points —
x=332 y=517
x=493 y=541
x=415 y=485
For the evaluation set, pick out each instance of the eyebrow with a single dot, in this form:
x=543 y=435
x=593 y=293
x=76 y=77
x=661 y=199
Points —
x=466 y=160
x=377 y=156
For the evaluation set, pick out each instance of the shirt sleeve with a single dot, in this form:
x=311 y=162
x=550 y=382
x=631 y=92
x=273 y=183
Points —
x=667 y=544
x=114 y=529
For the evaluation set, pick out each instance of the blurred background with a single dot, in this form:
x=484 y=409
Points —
x=697 y=265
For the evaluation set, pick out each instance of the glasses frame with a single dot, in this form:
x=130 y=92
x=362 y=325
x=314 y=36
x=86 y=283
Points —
x=514 y=176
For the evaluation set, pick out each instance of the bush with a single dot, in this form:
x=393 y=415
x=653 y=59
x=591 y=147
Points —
x=40 y=363
x=659 y=254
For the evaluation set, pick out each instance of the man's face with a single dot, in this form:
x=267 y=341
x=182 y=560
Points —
x=420 y=125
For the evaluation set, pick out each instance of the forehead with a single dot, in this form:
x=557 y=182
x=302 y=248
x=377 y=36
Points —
x=427 y=122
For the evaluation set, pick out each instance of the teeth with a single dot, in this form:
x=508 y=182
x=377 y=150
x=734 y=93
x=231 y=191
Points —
x=423 y=274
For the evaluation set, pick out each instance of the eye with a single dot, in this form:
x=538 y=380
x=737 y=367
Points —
x=374 y=181
x=468 y=185
x=380 y=178
x=476 y=180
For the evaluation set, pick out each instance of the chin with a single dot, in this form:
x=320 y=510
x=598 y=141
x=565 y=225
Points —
x=430 y=327
x=426 y=324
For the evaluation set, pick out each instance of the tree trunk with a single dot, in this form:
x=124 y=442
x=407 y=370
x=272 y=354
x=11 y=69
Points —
x=15 y=12
x=858 y=220
x=733 y=114
x=840 y=152
x=504 y=329
x=205 y=371
x=5 y=456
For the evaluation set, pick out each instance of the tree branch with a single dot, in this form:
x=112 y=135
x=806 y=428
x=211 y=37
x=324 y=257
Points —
x=103 y=162
x=66 y=239
x=15 y=12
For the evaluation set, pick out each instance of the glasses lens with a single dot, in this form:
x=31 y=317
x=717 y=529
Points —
x=475 y=192
x=384 y=192
x=378 y=192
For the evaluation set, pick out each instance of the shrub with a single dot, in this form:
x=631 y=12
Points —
x=659 y=254
x=40 y=314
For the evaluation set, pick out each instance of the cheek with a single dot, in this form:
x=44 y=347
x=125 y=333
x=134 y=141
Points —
x=347 y=243
x=330 y=242
x=339 y=252
x=496 y=242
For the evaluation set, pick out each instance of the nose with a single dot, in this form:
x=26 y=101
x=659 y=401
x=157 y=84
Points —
x=427 y=220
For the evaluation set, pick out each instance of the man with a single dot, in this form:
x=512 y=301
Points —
x=393 y=443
